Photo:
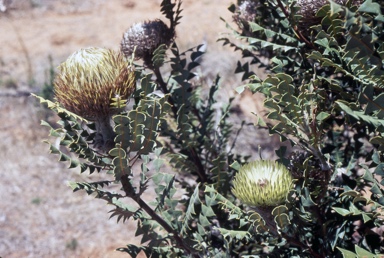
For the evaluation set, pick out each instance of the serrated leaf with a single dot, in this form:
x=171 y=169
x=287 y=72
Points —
x=282 y=220
x=132 y=250
x=375 y=105
x=342 y=211
x=118 y=152
x=159 y=55
x=236 y=235
x=157 y=164
x=56 y=107
x=201 y=230
x=121 y=119
x=122 y=211
x=204 y=221
x=235 y=165
x=190 y=210
x=362 y=253
x=322 y=116
x=207 y=211
x=351 y=193
x=220 y=174
x=369 y=7
x=346 y=253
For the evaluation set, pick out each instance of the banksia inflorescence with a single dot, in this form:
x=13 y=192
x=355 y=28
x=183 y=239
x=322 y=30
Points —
x=262 y=183
x=90 y=78
x=142 y=39
x=88 y=81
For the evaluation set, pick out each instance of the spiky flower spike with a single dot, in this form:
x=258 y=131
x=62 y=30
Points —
x=87 y=83
x=143 y=39
x=262 y=183
x=90 y=78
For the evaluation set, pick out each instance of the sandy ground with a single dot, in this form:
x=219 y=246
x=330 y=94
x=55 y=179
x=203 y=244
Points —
x=29 y=36
x=39 y=214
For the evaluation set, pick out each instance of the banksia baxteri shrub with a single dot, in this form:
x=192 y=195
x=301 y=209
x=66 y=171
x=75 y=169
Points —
x=262 y=183
x=144 y=38
x=323 y=95
x=88 y=81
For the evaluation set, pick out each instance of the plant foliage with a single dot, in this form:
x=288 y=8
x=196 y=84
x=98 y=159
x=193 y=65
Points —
x=324 y=94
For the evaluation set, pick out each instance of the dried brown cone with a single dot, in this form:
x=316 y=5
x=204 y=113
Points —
x=309 y=8
x=90 y=78
x=142 y=39
x=245 y=13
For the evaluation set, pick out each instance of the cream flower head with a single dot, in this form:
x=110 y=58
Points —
x=262 y=183
x=90 y=78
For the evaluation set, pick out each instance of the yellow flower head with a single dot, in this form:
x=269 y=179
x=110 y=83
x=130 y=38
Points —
x=90 y=78
x=262 y=183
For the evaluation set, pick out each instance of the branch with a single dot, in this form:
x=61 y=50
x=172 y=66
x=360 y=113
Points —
x=195 y=157
x=163 y=86
x=296 y=30
x=128 y=189
x=297 y=243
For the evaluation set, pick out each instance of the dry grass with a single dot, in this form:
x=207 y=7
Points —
x=39 y=214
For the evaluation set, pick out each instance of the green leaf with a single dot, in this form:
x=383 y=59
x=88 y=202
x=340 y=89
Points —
x=204 y=221
x=359 y=115
x=220 y=174
x=235 y=165
x=362 y=253
x=159 y=56
x=376 y=105
x=190 y=210
x=207 y=211
x=164 y=188
x=118 y=152
x=342 y=212
x=346 y=253
x=322 y=116
x=369 y=7
x=351 y=193
x=56 y=107
x=122 y=211
x=236 y=235
x=282 y=220
x=120 y=162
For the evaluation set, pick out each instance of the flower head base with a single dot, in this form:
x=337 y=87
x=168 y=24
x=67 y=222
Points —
x=262 y=183
x=143 y=39
x=90 y=78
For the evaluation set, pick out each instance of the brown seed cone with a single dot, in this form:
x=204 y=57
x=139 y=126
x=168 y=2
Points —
x=309 y=8
x=245 y=13
x=90 y=78
x=144 y=38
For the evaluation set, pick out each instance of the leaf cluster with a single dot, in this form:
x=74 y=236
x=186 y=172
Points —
x=171 y=135
x=323 y=92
